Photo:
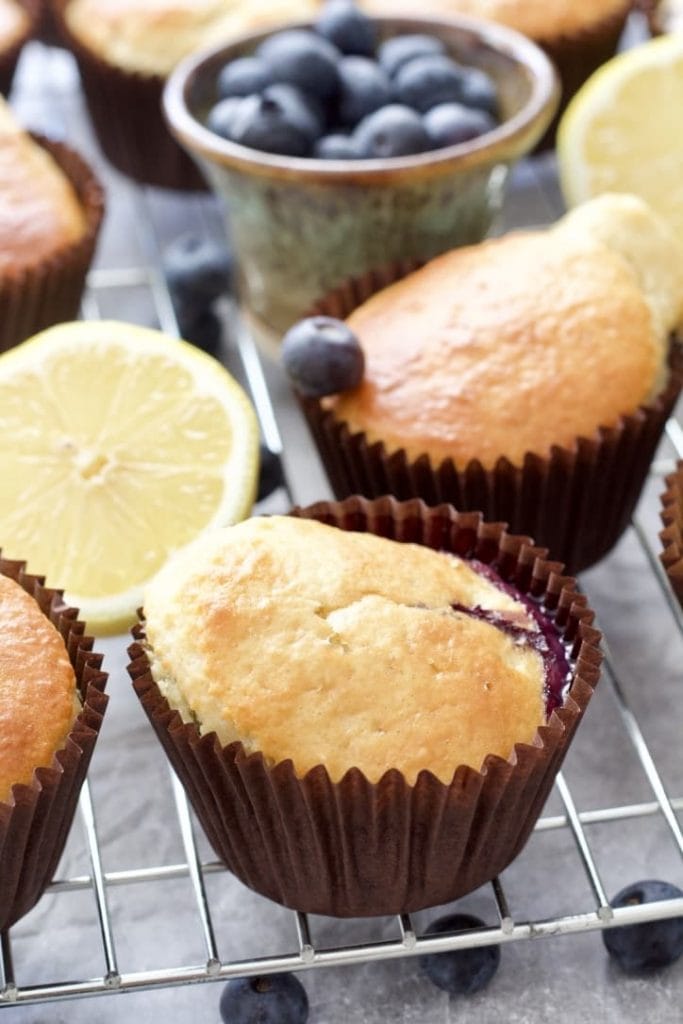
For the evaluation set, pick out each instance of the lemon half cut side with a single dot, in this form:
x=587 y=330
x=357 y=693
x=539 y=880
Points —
x=622 y=132
x=118 y=444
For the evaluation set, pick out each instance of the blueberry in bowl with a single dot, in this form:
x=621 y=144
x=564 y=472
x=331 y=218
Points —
x=308 y=206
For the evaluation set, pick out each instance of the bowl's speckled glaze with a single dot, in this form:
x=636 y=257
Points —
x=301 y=226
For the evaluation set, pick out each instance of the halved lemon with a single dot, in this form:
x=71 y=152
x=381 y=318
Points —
x=622 y=131
x=118 y=444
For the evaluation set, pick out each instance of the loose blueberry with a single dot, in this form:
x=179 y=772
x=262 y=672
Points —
x=363 y=88
x=460 y=971
x=302 y=58
x=451 y=123
x=198 y=270
x=267 y=124
x=394 y=130
x=397 y=51
x=351 y=31
x=270 y=473
x=221 y=117
x=243 y=77
x=202 y=329
x=322 y=357
x=299 y=108
x=278 y=999
x=424 y=82
x=652 y=944
x=478 y=90
x=336 y=147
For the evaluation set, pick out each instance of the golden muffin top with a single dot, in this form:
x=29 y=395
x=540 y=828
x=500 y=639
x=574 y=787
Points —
x=14 y=22
x=542 y=20
x=38 y=699
x=152 y=36
x=39 y=210
x=522 y=342
x=343 y=649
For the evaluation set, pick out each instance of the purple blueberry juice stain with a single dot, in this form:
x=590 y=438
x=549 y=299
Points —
x=547 y=641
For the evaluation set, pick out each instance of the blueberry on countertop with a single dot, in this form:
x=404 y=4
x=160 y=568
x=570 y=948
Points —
x=652 y=944
x=451 y=123
x=271 y=475
x=394 y=130
x=277 y=999
x=424 y=82
x=242 y=77
x=198 y=270
x=460 y=971
x=363 y=88
x=322 y=356
x=336 y=147
x=201 y=328
x=351 y=31
x=397 y=51
x=302 y=58
x=268 y=124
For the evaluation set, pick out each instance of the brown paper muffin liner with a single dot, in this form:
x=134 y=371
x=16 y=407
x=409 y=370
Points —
x=35 y=824
x=575 y=501
x=357 y=849
x=125 y=109
x=9 y=58
x=672 y=534
x=50 y=292
x=577 y=56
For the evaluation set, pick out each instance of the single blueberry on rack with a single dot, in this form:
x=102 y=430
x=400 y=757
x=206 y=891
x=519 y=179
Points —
x=460 y=971
x=277 y=999
x=650 y=945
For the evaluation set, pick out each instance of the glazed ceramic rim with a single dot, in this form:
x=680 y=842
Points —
x=502 y=144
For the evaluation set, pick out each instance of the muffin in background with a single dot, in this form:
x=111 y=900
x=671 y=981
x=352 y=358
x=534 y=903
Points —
x=672 y=534
x=577 y=35
x=529 y=377
x=51 y=208
x=18 y=19
x=664 y=15
x=51 y=703
x=356 y=696
x=125 y=50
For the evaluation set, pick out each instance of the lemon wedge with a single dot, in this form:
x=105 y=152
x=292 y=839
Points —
x=622 y=130
x=118 y=444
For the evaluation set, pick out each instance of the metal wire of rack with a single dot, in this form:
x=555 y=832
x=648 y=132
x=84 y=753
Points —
x=304 y=954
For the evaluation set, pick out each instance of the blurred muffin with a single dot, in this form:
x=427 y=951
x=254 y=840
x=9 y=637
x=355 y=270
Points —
x=51 y=707
x=50 y=212
x=672 y=534
x=527 y=376
x=294 y=666
x=664 y=15
x=577 y=35
x=18 y=19
x=125 y=50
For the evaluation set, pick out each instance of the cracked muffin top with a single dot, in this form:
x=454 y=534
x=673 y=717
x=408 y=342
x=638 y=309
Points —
x=521 y=342
x=308 y=642
x=39 y=210
x=38 y=700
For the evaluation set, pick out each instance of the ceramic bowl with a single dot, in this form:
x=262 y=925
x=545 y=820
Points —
x=301 y=226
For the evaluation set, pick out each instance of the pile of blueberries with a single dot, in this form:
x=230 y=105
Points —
x=333 y=93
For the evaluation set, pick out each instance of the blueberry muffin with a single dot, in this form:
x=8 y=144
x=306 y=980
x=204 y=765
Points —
x=50 y=212
x=527 y=376
x=344 y=662
x=51 y=707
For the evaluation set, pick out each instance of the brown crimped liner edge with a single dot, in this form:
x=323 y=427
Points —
x=574 y=501
x=125 y=110
x=35 y=823
x=672 y=535
x=9 y=58
x=353 y=848
x=50 y=292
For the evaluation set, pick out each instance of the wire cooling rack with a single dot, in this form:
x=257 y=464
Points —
x=109 y=288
